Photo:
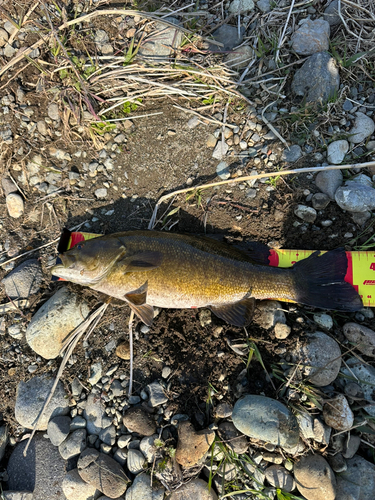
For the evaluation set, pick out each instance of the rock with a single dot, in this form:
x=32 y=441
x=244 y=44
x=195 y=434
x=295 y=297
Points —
x=192 y=446
x=136 y=461
x=267 y=419
x=95 y=373
x=365 y=375
x=360 y=472
x=311 y=37
x=318 y=78
x=74 y=444
x=8 y=186
x=337 y=463
x=319 y=358
x=282 y=331
x=239 y=58
x=95 y=415
x=279 y=477
x=17 y=495
x=232 y=438
x=271 y=313
x=307 y=214
x=9 y=50
x=15 y=205
x=315 y=478
x=53 y=111
x=75 y=488
x=139 y=421
x=223 y=171
x=163 y=42
x=3 y=440
x=3 y=37
x=346 y=490
x=355 y=197
x=54 y=321
x=351 y=446
x=324 y=320
x=337 y=413
x=24 y=280
x=58 y=429
x=42 y=127
x=292 y=154
x=240 y=6
x=157 y=394
x=102 y=472
x=101 y=193
x=123 y=351
x=227 y=35
x=331 y=13
x=148 y=447
x=364 y=126
x=141 y=489
x=196 y=489
x=41 y=471
x=264 y=5
x=329 y=181
x=223 y=410
x=30 y=399
x=336 y=151
x=361 y=337
x=220 y=150
x=360 y=218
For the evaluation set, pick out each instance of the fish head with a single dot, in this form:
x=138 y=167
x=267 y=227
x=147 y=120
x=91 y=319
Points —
x=89 y=261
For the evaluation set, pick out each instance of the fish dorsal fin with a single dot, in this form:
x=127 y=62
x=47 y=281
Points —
x=143 y=261
x=144 y=312
x=238 y=313
x=138 y=297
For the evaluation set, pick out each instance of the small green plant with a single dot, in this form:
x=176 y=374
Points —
x=343 y=60
x=197 y=194
x=128 y=106
x=266 y=47
x=101 y=128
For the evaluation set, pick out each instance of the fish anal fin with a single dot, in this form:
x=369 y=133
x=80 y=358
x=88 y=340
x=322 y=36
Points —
x=144 y=312
x=143 y=261
x=138 y=297
x=237 y=313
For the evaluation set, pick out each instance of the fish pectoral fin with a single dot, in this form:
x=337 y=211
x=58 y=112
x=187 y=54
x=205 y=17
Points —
x=237 y=313
x=143 y=261
x=138 y=297
x=145 y=313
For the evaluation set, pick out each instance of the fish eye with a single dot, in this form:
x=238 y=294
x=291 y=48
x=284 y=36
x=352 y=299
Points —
x=79 y=246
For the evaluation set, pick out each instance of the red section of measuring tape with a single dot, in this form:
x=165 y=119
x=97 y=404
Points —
x=349 y=272
x=273 y=258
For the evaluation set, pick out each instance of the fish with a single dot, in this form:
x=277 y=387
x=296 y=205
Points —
x=148 y=269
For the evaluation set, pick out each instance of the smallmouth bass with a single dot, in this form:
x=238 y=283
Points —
x=168 y=270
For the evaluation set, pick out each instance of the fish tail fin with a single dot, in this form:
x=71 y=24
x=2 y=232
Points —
x=319 y=282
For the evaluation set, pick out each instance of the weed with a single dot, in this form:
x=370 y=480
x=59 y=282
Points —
x=197 y=193
x=343 y=60
x=266 y=47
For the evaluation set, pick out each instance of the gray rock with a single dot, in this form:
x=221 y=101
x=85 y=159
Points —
x=196 y=489
x=324 y=320
x=223 y=410
x=101 y=193
x=3 y=37
x=315 y=478
x=318 y=79
x=41 y=471
x=223 y=171
x=240 y=6
x=141 y=489
x=282 y=331
x=355 y=197
x=77 y=422
x=42 y=127
x=279 y=477
x=30 y=399
x=227 y=35
x=329 y=181
x=220 y=150
x=271 y=313
x=319 y=358
x=311 y=37
x=10 y=27
x=8 y=186
x=360 y=218
x=75 y=488
x=320 y=201
x=77 y=388
x=331 y=13
x=366 y=379
x=336 y=151
x=136 y=461
x=157 y=394
x=121 y=456
x=74 y=444
x=163 y=42
x=264 y=5
x=360 y=472
x=15 y=205
x=54 y=321
x=307 y=214
x=232 y=438
x=17 y=495
x=240 y=58
x=361 y=337
x=139 y=421
x=102 y=472
x=266 y=419
x=148 y=447
x=292 y=154
x=337 y=413
x=9 y=50
x=108 y=435
x=58 y=429
x=345 y=490
x=95 y=373
x=351 y=446
x=53 y=111
x=3 y=440
x=101 y=37
x=95 y=415
x=24 y=280
x=364 y=126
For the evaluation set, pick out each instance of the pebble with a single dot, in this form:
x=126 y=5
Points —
x=95 y=373
x=102 y=472
x=124 y=440
x=360 y=472
x=329 y=181
x=211 y=141
x=364 y=126
x=365 y=375
x=311 y=37
x=108 y=435
x=136 y=461
x=307 y=214
x=337 y=463
x=148 y=448
x=30 y=399
x=318 y=79
x=320 y=201
x=74 y=444
x=355 y=197
x=361 y=337
x=164 y=41
x=42 y=127
x=15 y=205
x=205 y=317
x=53 y=111
x=223 y=171
x=271 y=313
x=232 y=438
x=24 y=280
x=282 y=331
x=264 y=418
x=142 y=489
x=196 y=489
x=77 y=423
x=279 y=477
x=123 y=351
x=166 y=372
x=240 y=57
x=157 y=394
x=192 y=445
x=315 y=478
x=223 y=410
x=323 y=320
x=292 y=154
x=337 y=413
x=220 y=150
x=228 y=36
x=54 y=321
x=3 y=37
x=240 y=6
x=331 y=15
x=264 y=5
x=9 y=50
x=75 y=488
x=95 y=415
x=139 y=421
x=3 y=440
x=336 y=151
x=351 y=446
x=58 y=429
x=319 y=357
x=101 y=193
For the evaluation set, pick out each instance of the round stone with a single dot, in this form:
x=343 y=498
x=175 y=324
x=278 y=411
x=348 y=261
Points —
x=361 y=337
x=279 y=477
x=15 y=205
x=139 y=421
x=338 y=414
x=315 y=478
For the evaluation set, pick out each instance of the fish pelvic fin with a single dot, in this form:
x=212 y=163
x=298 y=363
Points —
x=319 y=282
x=138 y=297
x=237 y=313
x=144 y=312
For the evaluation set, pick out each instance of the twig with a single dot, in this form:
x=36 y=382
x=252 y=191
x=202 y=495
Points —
x=133 y=117
x=131 y=351
x=284 y=30
x=271 y=127
x=252 y=177
x=211 y=120
x=23 y=21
